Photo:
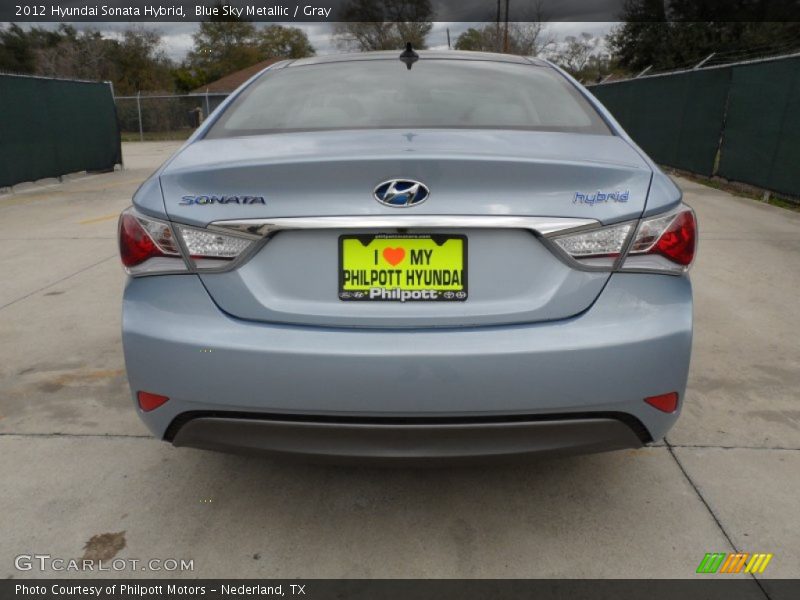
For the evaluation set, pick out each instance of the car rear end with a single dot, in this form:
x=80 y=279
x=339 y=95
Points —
x=353 y=259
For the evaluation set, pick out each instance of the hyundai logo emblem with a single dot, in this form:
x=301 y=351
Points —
x=401 y=193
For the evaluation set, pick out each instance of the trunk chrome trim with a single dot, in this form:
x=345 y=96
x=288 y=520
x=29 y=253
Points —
x=261 y=228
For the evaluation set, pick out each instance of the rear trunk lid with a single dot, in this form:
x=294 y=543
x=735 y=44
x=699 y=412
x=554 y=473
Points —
x=513 y=277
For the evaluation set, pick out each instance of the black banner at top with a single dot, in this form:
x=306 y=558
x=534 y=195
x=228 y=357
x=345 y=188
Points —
x=393 y=10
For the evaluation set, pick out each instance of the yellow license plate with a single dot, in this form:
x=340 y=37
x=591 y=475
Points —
x=403 y=267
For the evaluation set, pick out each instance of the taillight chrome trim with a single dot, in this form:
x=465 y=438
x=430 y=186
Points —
x=261 y=228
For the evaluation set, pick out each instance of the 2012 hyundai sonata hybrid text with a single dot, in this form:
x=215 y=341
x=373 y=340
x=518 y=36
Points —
x=408 y=256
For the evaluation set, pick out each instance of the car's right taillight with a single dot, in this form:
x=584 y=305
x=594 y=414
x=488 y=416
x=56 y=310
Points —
x=664 y=243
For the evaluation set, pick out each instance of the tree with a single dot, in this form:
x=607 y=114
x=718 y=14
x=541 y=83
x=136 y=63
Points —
x=287 y=42
x=141 y=63
x=642 y=38
x=222 y=47
x=473 y=39
x=187 y=78
x=582 y=56
x=577 y=52
x=135 y=62
x=689 y=31
x=83 y=55
x=387 y=25
x=18 y=47
x=530 y=38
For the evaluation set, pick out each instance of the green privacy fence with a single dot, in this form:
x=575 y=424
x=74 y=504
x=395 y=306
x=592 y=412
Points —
x=50 y=127
x=761 y=144
x=677 y=119
x=741 y=122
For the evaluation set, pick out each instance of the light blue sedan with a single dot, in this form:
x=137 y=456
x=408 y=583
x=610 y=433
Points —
x=433 y=255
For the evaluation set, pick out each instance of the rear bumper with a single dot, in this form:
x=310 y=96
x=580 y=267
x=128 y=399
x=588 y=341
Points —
x=402 y=442
x=634 y=342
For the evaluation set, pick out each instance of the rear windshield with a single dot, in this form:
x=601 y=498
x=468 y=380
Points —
x=372 y=94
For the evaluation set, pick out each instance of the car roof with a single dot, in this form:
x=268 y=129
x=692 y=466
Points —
x=423 y=54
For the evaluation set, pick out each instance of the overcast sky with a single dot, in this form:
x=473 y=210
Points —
x=177 y=37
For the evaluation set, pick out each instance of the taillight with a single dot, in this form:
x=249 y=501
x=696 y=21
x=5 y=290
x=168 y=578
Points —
x=149 y=246
x=598 y=247
x=209 y=249
x=664 y=243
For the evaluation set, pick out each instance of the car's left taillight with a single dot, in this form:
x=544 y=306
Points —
x=149 y=246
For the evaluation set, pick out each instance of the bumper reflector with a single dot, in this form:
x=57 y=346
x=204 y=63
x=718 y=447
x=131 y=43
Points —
x=148 y=401
x=667 y=403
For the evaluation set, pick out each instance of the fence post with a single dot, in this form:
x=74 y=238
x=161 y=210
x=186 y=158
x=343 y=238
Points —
x=139 y=110
x=704 y=61
x=114 y=100
x=208 y=109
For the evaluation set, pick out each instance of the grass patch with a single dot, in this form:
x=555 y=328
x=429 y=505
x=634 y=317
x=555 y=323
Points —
x=156 y=136
x=742 y=190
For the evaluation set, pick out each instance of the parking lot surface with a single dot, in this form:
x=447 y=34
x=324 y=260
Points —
x=77 y=464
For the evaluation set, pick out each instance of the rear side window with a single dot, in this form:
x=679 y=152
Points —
x=373 y=94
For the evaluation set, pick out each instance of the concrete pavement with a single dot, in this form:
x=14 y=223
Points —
x=76 y=462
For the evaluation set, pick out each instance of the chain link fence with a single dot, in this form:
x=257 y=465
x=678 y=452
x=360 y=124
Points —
x=163 y=116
